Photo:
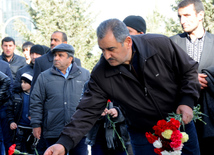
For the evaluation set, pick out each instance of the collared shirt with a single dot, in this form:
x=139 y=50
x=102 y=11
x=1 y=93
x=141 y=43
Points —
x=194 y=48
x=67 y=71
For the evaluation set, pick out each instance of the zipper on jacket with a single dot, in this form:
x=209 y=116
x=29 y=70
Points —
x=145 y=91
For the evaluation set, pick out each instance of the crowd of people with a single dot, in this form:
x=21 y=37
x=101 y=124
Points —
x=51 y=103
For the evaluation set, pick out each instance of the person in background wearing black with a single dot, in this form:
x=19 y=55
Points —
x=35 y=52
x=5 y=134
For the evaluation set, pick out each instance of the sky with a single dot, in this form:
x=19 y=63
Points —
x=121 y=8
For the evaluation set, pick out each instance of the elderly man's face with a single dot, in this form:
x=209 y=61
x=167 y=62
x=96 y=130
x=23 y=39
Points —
x=62 y=61
x=114 y=52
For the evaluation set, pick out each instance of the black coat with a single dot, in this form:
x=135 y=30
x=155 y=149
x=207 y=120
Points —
x=207 y=98
x=4 y=88
x=5 y=68
x=170 y=79
x=14 y=110
x=43 y=63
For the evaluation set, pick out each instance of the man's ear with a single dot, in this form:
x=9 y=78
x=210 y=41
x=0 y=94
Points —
x=128 y=42
x=201 y=15
x=65 y=42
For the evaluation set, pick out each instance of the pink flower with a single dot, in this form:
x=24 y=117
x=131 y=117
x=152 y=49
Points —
x=175 y=144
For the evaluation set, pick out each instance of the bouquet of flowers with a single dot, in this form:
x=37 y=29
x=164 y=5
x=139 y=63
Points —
x=167 y=139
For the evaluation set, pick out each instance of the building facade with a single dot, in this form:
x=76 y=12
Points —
x=10 y=10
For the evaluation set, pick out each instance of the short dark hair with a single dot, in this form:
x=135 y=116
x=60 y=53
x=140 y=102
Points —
x=64 y=36
x=8 y=39
x=198 y=5
x=27 y=44
x=117 y=27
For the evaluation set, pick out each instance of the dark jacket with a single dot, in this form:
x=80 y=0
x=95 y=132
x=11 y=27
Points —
x=16 y=63
x=170 y=79
x=54 y=99
x=4 y=88
x=17 y=84
x=45 y=62
x=5 y=68
x=14 y=110
x=207 y=104
x=104 y=132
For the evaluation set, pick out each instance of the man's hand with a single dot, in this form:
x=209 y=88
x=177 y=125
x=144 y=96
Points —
x=113 y=112
x=187 y=113
x=202 y=80
x=13 y=126
x=37 y=132
x=56 y=149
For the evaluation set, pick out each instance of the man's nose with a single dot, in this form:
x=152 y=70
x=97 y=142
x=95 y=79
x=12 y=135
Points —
x=182 y=20
x=107 y=55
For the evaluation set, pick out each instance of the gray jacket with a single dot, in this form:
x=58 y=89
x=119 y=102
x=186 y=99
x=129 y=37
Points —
x=54 y=99
x=15 y=63
x=207 y=59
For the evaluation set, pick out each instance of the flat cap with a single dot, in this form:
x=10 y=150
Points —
x=64 y=48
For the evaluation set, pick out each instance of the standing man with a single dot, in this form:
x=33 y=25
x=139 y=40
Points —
x=56 y=95
x=16 y=62
x=35 y=52
x=148 y=75
x=5 y=134
x=45 y=62
x=4 y=96
x=135 y=24
x=199 y=45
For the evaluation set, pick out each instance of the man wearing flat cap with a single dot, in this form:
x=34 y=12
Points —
x=56 y=95
x=135 y=24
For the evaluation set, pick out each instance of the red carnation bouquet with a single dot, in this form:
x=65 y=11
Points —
x=167 y=139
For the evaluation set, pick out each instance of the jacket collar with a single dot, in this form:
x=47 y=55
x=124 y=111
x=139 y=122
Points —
x=145 y=52
x=50 y=56
x=5 y=59
x=75 y=71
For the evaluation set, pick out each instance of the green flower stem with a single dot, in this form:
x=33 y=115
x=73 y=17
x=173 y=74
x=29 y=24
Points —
x=36 y=151
x=114 y=128
x=197 y=115
x=121 y=140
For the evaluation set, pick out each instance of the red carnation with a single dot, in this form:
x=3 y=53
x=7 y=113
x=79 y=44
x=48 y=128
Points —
x=160 y=127
x=158 y=151
x=174 y=124
x=175 y=144
x=176 y=135
x=11 y=149
x=151 y=138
